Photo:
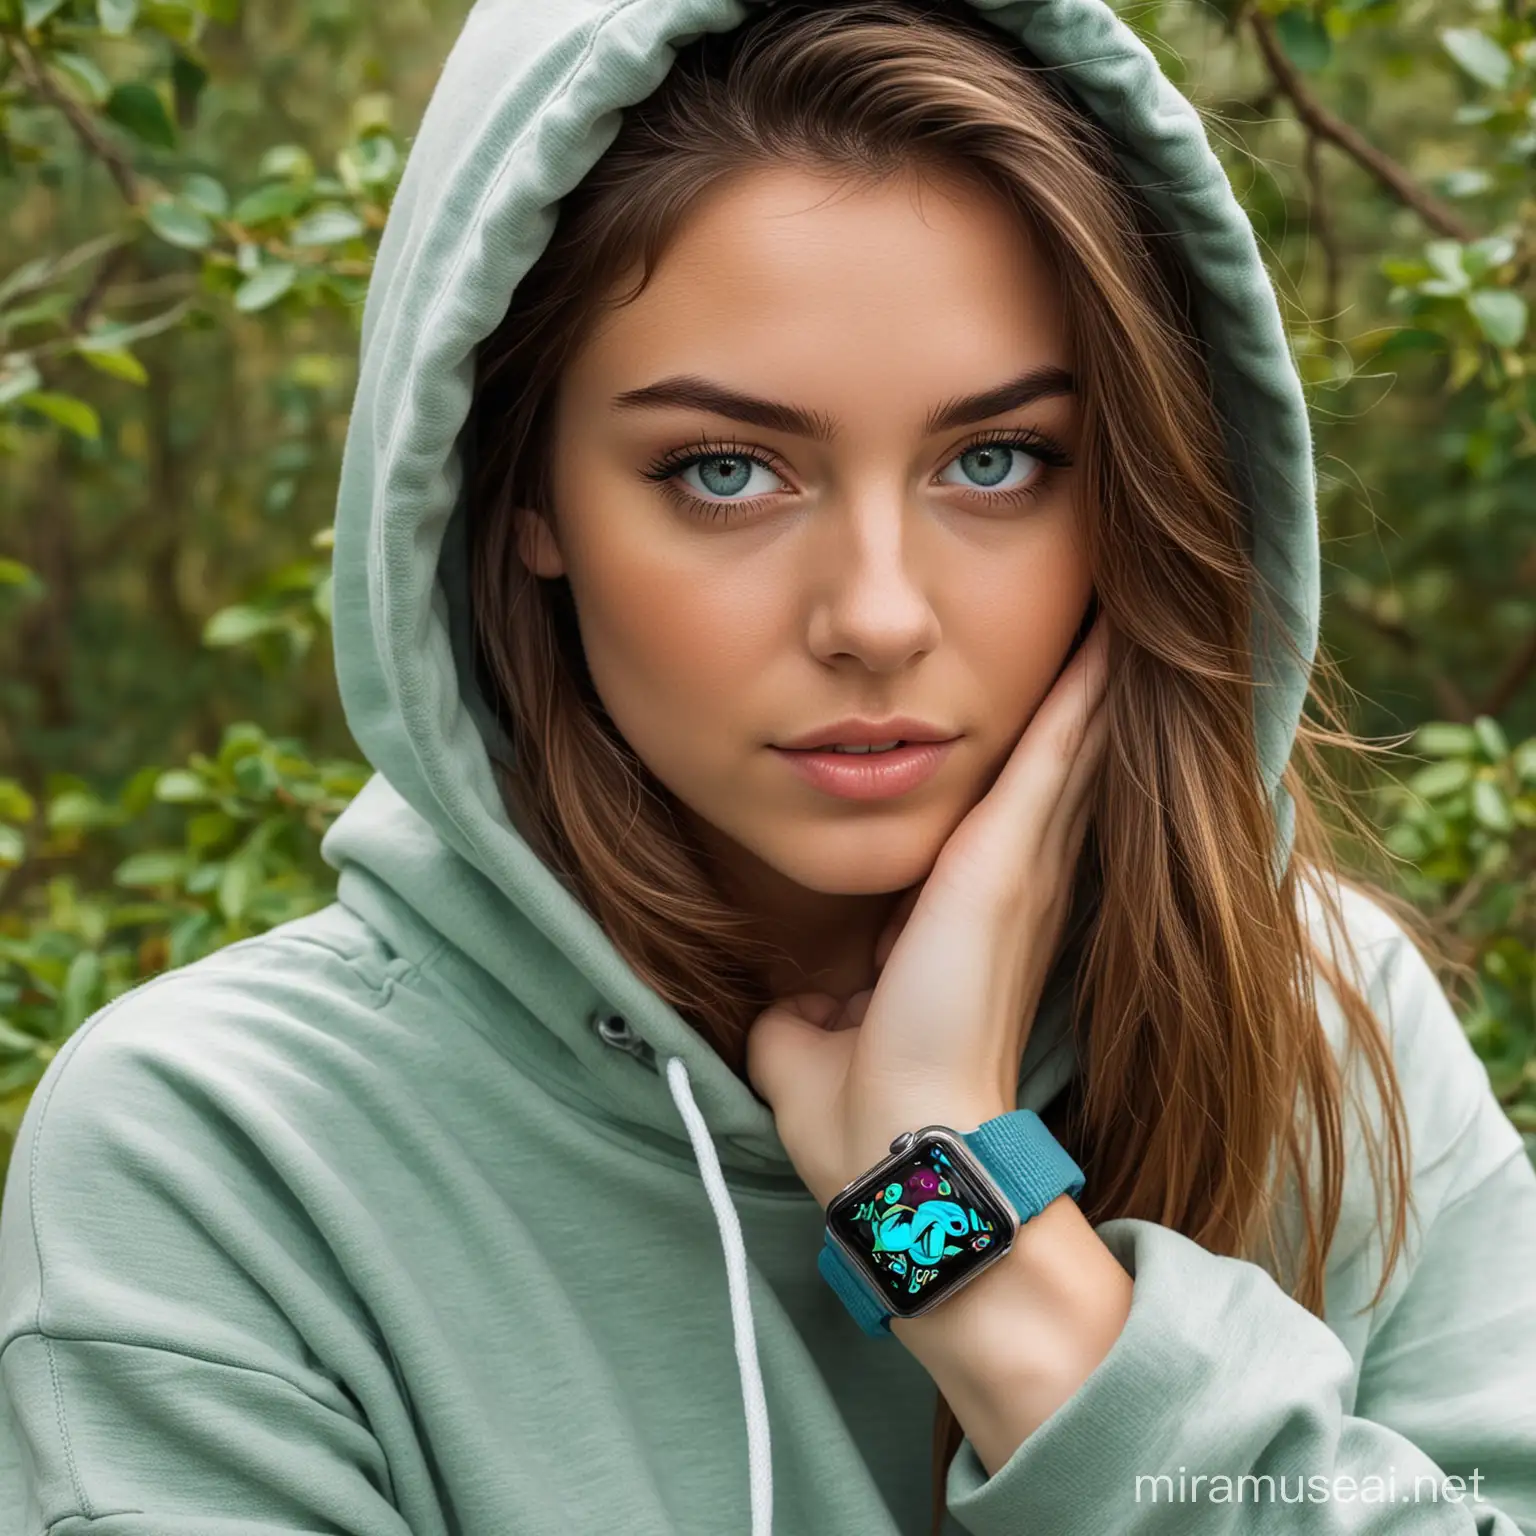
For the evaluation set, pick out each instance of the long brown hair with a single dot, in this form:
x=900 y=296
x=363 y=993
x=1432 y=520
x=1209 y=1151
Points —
x=1207 y=1077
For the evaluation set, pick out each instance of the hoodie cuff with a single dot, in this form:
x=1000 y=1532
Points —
x=1216 y=1372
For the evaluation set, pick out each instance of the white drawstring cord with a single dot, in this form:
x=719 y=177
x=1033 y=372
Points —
x=759 y=1451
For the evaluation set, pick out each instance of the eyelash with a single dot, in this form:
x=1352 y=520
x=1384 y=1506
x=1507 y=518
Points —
x=1050 y=454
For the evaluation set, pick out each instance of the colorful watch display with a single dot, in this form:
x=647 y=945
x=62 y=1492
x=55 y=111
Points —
x=939 y=1210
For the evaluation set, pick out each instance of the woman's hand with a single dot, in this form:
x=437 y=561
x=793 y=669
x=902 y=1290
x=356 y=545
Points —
x=961 y=963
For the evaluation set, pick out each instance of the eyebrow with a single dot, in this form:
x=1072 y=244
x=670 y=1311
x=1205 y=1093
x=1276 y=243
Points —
x=692 y=392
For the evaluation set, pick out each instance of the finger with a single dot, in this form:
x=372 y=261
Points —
x=1075 y=696
x=784 y=1053
x=853 y=1011
x=1036 y=771
x=1076 y=799
x=818 y=1008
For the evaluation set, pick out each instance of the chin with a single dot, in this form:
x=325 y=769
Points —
x=871 y=860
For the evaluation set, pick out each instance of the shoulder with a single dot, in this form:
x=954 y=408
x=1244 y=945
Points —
x=1457 y=1132
x=276 y=996
x=207 y=1067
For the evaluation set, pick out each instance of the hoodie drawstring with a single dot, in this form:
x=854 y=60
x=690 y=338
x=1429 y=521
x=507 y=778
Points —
x=614 y=1030
x=759 y=1452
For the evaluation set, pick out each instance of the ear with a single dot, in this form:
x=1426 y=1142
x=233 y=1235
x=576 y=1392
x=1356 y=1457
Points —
x=536 y=544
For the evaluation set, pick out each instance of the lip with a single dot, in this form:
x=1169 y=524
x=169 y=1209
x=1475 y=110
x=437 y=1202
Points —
x=867 y=733
x=876 y=776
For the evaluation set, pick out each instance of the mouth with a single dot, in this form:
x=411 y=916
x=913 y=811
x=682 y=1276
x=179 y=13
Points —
x=868 y=773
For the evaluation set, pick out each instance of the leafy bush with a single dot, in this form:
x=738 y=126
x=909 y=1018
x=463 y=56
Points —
x=1466 y=825
x=245 y=858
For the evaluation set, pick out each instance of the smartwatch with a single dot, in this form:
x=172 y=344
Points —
x=940 y=1209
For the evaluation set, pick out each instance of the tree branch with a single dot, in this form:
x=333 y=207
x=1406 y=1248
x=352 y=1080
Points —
x=36 y=80
x=1449 y=698
x=1324 y=124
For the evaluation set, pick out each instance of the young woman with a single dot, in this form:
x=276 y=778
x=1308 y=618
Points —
x=683 y=1122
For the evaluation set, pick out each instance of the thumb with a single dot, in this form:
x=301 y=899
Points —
x=788 y=1044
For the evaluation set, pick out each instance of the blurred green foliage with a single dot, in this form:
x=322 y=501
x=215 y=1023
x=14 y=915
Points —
x=192 y=192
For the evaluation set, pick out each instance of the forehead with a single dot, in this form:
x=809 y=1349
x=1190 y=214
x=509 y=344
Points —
x=791 y=280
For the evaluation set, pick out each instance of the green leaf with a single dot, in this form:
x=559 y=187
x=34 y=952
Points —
x=1304 y=38
x=71 y=414
x=268 y=204
x=240 y=739
x=1479 y=55
x=239 y=878
x=328 y=226
x=322 y=598
x=1500 y=314
x=1468 y=181
x=1491 y=738
x=85 y=73
x=255 y=776
x=188 y=80
x=138 y=108
x=15 y=803
x=206 y=194
x=75 y=810
x=35 y=12
x=115 y=361
x=15 y=1042
x=1490 y=808
x=154 y=867
x=226 y=11
x=82 y=986
x=13 y=847
x=179 y=223
x=236 y=625
x=1441 y=779
x=117 y=16
x=375 y=158
x=1445 y=257
x=265 y=286
x=13 y=574
x=290 y=160
x=175 y=19
x=1484 y=255
x=180 y=786
x=1443 y=738
x=23 y=379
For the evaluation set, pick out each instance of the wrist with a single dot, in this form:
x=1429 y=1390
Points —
x=1014 y=1345
x=874 y=1145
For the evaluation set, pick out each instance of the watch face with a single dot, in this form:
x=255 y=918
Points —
x=921 y=1225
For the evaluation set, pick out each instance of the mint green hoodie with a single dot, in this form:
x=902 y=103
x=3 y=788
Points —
x=423 y=1214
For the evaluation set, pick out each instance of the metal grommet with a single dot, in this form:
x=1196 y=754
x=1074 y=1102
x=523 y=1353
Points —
x=613 y=1029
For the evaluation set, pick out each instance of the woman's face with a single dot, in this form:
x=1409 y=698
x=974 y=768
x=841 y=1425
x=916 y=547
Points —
x=783 y=498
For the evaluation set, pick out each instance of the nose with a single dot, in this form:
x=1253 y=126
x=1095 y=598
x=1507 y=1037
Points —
x=871 y=586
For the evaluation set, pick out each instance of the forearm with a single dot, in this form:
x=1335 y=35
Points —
x=1009 y=1348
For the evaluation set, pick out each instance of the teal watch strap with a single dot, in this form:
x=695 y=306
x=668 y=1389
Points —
x=1030 y=1166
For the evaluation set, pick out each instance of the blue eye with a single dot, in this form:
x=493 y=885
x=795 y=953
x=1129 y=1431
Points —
x=991 y=466
x=728 y=475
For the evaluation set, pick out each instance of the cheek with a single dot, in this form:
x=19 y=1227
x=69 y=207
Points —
x=1020 y=614
x=668 y=647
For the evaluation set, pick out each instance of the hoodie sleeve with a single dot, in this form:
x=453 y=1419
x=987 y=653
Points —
x=1219 y=1375
x=153 y=1398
